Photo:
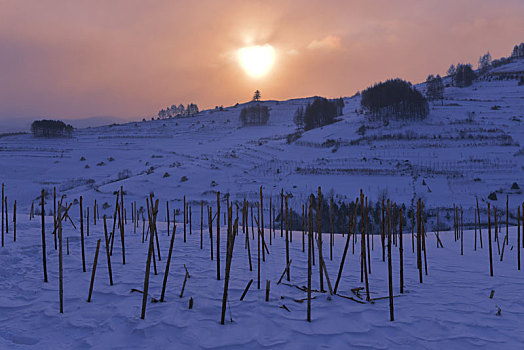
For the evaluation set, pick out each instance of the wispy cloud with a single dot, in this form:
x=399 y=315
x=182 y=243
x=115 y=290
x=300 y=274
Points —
x=330 y=42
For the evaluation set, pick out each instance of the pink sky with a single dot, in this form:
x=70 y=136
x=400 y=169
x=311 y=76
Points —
x=129 y=58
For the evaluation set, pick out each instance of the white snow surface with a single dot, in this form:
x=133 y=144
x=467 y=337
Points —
x=450 y=309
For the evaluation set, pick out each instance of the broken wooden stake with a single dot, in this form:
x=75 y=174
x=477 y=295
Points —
x=246 y=289
x=94 y=271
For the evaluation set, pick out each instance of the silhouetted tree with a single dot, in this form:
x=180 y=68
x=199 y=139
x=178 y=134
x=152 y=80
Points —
x=254 y=115
x=484 y=62
x=394 y=98
x=319 y=113
x=434 y=88
x=298 y=118
x=518 y=51
x=51 y=128
x=340 y=106
x=464 y=75
x=451 y=73
x=192 y=109
x=256 y=96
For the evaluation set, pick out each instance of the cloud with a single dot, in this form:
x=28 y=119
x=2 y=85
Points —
x=330 y=42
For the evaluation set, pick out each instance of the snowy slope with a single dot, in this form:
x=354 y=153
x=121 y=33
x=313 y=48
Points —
x=468 y=146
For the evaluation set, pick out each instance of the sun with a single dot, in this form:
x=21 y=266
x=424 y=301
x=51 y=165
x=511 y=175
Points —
x=257 y=60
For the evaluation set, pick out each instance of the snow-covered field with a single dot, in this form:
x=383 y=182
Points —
x=468 y=147
x=450 y=309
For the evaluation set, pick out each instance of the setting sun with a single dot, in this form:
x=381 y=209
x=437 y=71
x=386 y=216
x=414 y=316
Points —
x=257 y=60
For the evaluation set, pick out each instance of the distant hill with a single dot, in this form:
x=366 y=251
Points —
x=19 y=124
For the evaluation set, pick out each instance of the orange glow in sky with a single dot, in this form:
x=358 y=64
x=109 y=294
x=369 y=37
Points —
x=129 y=58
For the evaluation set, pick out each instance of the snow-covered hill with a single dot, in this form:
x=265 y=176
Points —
x=468 y=146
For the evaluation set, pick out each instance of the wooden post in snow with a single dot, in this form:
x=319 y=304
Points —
x=363 y=245
x=282 y=213
x=152 y=217
x=461 y=231
x=309 y=250
x=507 y=219
x=167 y=217
x=270 y=222
x=366 y=219
x=475 y=245
x=413 y=232
x=3 y=214
x=343 y=257
x=210 y=229
x=168 y=263
x=184 y=213
x=107 y=253
x=54 y=215
x=60 y=262
x=249 y=245
x=424 y=239
x=303 y=229
x=6 y=216
x=121 y=220
x=82 y=235
x=288 y=277
x=87 y=222
x=258 y=254
x=419 y=239
x=383 y=233
x=401 y=250
x=246 y=289
x=218 y=236
x=438 y=229
x=489 y=239
x=229 y=256
x=14 y=221
x=261 y=218
x=44 y=262
x=480 y=225
x=390 y=274
x=319 y=238
x=94 y=271
x=518 y=238
x=201 y=224
x=331 y=229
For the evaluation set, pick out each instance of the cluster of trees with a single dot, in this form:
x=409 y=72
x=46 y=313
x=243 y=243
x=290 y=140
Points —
x=434 y=88
x=51 y=128
x=319 y=113
x=462 y=75
x=518 y=51
x=178 y=111
x=395 y=98
x=254 y=115
x=500 y=62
